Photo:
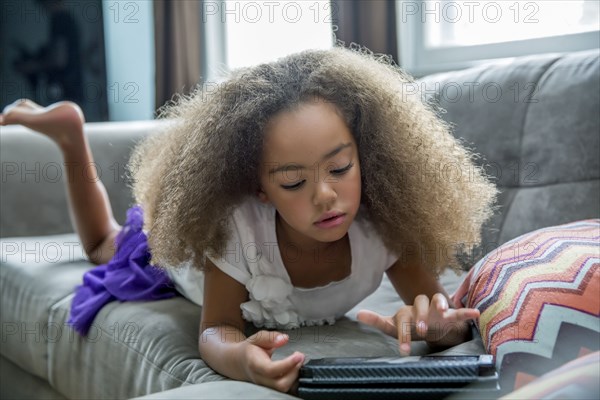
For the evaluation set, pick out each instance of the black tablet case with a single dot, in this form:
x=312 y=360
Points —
x=428 y=377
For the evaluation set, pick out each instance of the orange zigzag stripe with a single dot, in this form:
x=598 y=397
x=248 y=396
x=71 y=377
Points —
x=521 y=278
x=520 y=251
x=584 y=299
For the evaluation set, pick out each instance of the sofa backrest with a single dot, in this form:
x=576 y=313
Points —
x=33 y=175
x=536 y=122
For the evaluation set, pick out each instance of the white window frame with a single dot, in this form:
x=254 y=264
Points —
x=420 y=61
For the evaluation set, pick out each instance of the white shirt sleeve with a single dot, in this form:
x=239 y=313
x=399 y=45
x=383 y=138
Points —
x=189 y=281
x=234 y=259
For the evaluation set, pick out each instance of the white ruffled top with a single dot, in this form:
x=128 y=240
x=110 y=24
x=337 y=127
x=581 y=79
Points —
x=254 y=259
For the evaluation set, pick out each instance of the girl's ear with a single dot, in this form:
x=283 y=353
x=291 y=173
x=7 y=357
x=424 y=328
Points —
x=262 y=196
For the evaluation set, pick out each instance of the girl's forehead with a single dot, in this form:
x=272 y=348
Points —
x=316 y=114
x=305 y=133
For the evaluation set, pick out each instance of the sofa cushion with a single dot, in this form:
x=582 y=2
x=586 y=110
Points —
x=532 y=206
x=35 y=273
x=38 y=277
x=535 y=122
x=539 y=298
x=20 y=384
x=33 y=168
x=132 y=348
x=560 y=129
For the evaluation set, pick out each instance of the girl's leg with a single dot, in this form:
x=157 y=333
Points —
x=90 y=209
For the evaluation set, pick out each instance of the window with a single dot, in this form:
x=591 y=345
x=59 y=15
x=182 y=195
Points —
x=438 y=35
x=261 y=31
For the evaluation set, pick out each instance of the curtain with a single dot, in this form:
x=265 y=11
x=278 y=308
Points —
x=177 y=41
x=370 y=23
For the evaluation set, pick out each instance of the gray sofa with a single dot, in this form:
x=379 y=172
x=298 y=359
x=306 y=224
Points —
x=535 y=120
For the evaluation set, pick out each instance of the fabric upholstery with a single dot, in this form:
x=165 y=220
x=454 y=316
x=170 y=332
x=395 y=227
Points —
x=35 y=273
x=535 y=122
x=34 y=171
x=214 y=391
x=159 y=337
x=18 y=383
x=154 y=345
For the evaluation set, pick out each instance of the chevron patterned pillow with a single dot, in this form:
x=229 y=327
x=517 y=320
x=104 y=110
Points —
x=539 y=298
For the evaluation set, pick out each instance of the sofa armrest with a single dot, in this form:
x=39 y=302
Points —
x=33 y=175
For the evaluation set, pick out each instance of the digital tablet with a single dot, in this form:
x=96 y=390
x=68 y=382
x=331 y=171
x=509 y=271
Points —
x=389 y=377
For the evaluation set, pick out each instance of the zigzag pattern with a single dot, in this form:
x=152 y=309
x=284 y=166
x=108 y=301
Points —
x=581 y=375
x=539 y=298
x=542 y=343
x=558 y=266
x=563 y=269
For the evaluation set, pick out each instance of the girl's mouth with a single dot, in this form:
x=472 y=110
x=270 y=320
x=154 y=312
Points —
x=331 y=222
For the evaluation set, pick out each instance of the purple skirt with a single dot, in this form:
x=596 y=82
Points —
x=128 y=276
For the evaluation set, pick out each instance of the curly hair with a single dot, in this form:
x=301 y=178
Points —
x=421 y=188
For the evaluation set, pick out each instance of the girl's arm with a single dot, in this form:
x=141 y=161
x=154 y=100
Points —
x=224 y=346
x=429 y=314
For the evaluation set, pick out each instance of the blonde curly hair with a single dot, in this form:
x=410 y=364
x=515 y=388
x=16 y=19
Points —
x=421 y=189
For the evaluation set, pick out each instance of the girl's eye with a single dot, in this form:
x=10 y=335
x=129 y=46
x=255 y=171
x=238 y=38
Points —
x=342 y=171
x=293 y=187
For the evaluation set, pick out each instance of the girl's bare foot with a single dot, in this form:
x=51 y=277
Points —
x=59 y=121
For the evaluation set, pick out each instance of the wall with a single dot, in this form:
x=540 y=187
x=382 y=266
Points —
x=129 y=41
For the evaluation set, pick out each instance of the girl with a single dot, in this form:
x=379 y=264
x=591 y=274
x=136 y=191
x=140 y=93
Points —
x=282 y=197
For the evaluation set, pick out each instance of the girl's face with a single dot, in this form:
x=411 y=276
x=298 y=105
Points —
x=310 y=172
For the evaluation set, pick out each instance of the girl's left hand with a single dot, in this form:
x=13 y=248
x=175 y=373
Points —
x=433 y=321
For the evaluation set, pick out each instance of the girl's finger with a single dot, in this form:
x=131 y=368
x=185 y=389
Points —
x=277 y=369
x=258 y=363
x=421 y=312
x=290 y=379
x=463 y=314
x=384 y=324
x=439 y=302
x=403 y=323
x=268 y=340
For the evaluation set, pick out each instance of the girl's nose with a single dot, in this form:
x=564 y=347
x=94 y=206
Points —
x=324 y=193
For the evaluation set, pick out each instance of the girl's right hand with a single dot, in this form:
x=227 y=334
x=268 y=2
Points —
x=280 y=375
